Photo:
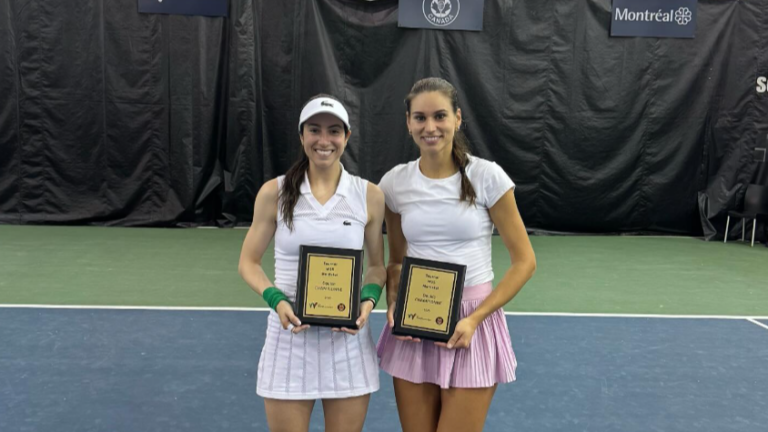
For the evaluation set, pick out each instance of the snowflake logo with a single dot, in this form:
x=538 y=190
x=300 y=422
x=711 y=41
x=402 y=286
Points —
x=683 y=16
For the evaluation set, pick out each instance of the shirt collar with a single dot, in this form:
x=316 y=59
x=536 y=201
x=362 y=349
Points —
x=342 y=189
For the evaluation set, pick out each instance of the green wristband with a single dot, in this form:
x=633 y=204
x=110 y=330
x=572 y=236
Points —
x=273 y=296
x=371 y=292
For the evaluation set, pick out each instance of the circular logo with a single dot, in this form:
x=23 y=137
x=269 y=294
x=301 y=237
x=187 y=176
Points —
x=683 y=16
x=439 y=320
x=441 y=12
x=341 y=307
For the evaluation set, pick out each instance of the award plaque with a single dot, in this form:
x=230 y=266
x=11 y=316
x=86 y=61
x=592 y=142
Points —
x=428 y=299
x=328 y=287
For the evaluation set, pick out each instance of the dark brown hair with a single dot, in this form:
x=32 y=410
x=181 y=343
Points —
x=291 y=190
x=460 y=151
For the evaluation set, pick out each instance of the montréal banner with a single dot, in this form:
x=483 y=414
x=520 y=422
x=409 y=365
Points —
x=654 y=18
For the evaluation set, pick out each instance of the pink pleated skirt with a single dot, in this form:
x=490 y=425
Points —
x=488 y=361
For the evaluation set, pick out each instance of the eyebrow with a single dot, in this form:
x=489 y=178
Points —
x=442 y=111
x=336 y=125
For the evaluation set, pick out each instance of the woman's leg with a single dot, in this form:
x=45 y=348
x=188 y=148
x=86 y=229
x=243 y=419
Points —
x=464 y=409
x=288 y=415
x=418 y=405
x=345 y=415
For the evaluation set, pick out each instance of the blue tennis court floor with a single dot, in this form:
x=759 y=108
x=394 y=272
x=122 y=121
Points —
x=140 y=370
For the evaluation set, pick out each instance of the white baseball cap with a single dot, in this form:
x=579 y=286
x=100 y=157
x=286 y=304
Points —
x=324 y=105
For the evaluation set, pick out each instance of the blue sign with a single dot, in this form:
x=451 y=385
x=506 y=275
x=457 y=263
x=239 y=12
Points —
x=654 y=18
x=441 y=14
x=216 y=8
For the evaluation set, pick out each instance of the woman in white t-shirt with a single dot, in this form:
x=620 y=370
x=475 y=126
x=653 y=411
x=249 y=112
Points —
x=316 y=203
x=443 y=207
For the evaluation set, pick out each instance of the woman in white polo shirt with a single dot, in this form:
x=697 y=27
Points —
x=315 y=203
x=443 y=207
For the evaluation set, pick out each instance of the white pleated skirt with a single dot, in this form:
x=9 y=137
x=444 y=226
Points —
x=316 y=363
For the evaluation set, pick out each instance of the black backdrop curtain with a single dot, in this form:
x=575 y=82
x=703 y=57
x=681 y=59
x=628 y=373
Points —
x=110 y=117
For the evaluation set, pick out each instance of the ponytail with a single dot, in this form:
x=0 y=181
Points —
x=291 y=190
x=460 y=155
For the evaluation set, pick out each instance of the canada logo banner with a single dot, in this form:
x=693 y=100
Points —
x=441 y=14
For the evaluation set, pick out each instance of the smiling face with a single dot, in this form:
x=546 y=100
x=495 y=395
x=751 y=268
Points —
x=324 y=140
x=433 y=122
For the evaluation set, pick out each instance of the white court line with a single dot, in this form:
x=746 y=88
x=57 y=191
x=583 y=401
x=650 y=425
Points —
x=263 y=309
x=755 y=321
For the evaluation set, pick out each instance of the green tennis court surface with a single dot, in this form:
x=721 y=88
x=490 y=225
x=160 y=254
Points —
x=198 y=267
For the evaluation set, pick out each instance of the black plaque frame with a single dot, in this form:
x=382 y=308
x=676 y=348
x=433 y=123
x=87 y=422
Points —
x=300 y=308
x=404 y=330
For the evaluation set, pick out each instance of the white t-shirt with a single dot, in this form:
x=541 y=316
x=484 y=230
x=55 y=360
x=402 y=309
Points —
x=436 y=225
